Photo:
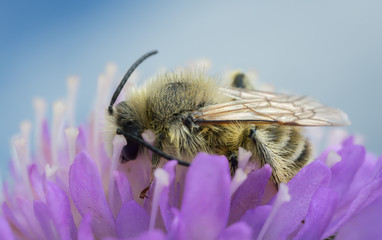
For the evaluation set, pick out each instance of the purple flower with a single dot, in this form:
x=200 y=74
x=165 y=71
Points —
x=70 y=189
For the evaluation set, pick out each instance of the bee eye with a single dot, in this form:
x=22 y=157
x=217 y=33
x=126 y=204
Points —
x=128 y=122
x=129 y=152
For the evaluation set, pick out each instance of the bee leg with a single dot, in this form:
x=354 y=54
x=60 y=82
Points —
x=260 y=150
x=146 y=189
x=232 y=159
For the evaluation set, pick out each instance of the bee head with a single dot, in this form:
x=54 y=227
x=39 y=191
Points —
x=123 y=118
x=128 y=124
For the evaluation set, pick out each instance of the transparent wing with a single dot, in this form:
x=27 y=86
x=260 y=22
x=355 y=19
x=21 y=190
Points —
x=269 y=108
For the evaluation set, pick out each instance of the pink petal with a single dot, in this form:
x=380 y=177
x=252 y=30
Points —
x=365 y=174
x=239 y=230
x=9 y=215
x=367 y=195
x=152 y=235
x=81 y=139
x=344 y=171
x=59 y=206
x=249 y=194
x=37 y=182
x=85 y=228
x=5 y=230
x=124 y=188
x=119 y=191
x=205 y=206
x=139 y=173
x=365 y=225
x=301 y=189
x=177 y=226
x=114 y=196
x=87 y=193
x=167 y=203
x=321 y=211
x=132 y=220
x=105 y=161
x=255 y=218
x=43 y=216
x=26 y=217
x=46 y=143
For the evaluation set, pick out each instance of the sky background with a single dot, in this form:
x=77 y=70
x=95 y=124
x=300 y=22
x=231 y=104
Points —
x=330 y=50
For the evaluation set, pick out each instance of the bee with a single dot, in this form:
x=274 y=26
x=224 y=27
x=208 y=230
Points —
x=190 y=113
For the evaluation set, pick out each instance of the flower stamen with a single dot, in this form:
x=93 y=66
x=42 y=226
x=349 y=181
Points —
x=332 y=159
x=162 y=179
x=237 y=180
x=72 y=85
x=58 y=120
x=25 y=128
x=40 y=109
x=20 y=146
x=71 y=137
x=243 y=158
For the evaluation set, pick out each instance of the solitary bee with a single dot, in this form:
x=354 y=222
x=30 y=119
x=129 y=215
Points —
x=190 y=113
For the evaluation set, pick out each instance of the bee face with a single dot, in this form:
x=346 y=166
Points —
x=125 y=120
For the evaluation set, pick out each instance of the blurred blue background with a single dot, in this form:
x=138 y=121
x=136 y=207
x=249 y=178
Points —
x=330 y=50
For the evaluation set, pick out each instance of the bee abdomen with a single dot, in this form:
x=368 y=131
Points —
x=295 y=147
x=305 y=155
x=295 y=151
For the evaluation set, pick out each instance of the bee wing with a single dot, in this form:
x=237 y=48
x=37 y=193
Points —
x=270 y=108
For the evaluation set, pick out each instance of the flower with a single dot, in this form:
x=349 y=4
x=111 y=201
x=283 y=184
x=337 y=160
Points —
x=70 y=189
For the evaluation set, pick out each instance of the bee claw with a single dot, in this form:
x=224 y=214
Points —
x=143 y=195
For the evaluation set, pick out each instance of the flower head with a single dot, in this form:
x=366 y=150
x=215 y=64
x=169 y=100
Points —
x=70 y=189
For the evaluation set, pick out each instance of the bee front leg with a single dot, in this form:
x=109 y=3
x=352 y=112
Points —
x=146 y=189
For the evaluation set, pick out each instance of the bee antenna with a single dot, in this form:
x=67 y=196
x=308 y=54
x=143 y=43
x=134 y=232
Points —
x=152 y=148
x=126 y=77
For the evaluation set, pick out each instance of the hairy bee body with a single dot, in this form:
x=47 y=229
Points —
x=167 y=105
